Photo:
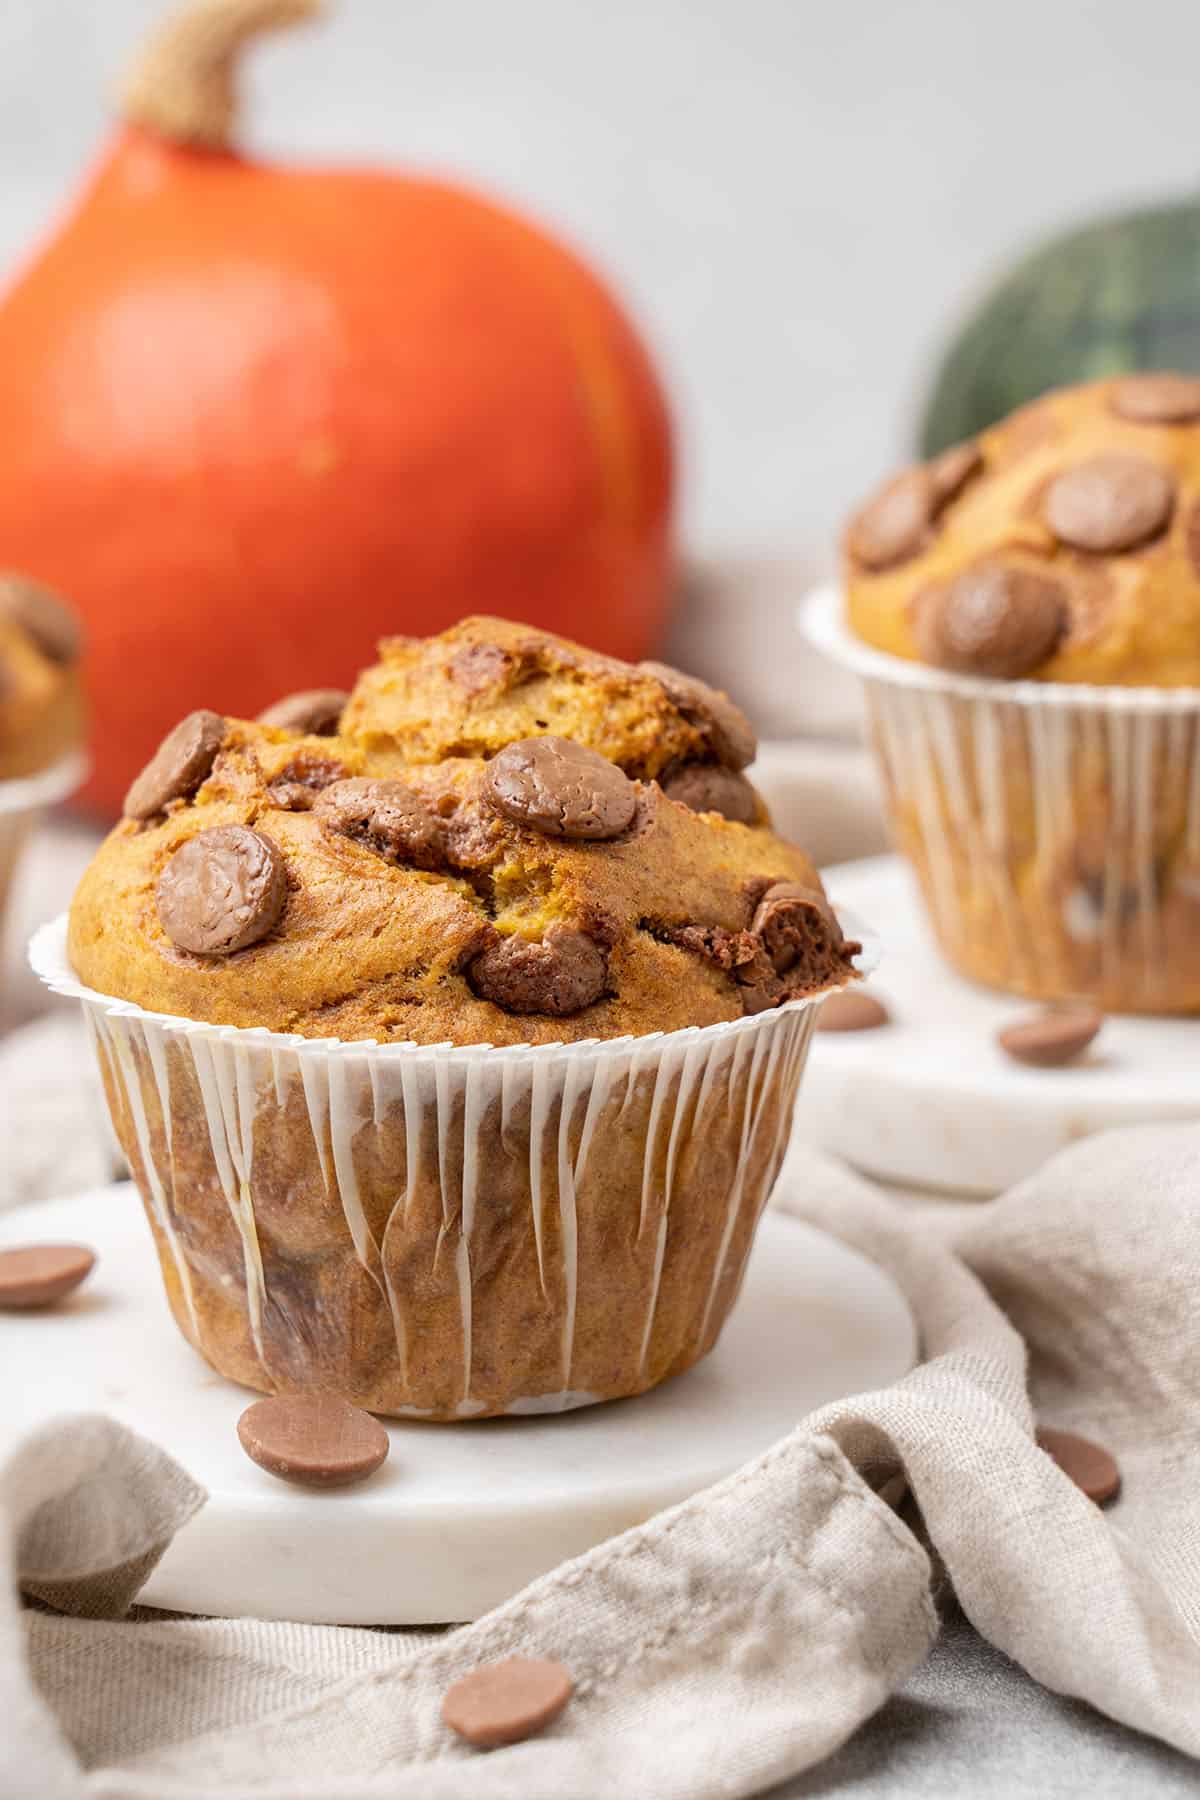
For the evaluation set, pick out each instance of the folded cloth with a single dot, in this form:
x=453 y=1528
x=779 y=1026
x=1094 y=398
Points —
x=740 y=1638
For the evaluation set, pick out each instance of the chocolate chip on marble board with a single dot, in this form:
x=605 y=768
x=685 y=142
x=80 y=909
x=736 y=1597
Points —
x=1051 y=1039
x=315 y=712
x=1162 y=398
x=36 y=1275
x=182 y=762
x=994 y=620
x=564 y=972
x=387 y=816
x=559 y=787
x=1111 y=502
x=223 y=890
x=852 y=1009
x=725 y=725
x=707 y=787
x=43 y=617
x=505 y=1702
x=1088 y=1465
x=316 y=1440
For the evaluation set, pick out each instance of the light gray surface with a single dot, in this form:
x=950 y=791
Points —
x=971 y=1725
x=795 y=195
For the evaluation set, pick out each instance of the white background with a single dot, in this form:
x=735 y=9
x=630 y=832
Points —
x=796 y=196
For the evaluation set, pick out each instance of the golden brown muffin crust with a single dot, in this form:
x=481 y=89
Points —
x=486 y=683
x=1093 y=494
x=439 y=900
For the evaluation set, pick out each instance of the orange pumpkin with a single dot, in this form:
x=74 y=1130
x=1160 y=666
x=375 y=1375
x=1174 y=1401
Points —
x=255 y=417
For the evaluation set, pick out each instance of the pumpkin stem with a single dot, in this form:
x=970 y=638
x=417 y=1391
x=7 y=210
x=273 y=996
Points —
x=183 y=85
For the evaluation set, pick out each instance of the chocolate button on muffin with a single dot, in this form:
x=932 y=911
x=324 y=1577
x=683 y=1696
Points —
x=455 y=1051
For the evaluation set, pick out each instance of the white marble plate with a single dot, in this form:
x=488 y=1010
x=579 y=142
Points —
x=932 y=1101
x=460 y=1516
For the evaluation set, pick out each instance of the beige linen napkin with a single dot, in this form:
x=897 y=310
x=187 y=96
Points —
x=740 y=1638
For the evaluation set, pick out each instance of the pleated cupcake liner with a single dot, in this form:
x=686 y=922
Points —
x=447 y=1231
x=1054 y=827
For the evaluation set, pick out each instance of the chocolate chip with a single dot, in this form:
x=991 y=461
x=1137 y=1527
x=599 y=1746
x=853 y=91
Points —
x=43 y=617
x=891 y=528
x=1089 y=1466
x=314 y=1439
x=725 y=725
x=388 y=817
x=40 y=1274
x=504 y=1702
x=992 y=620
x=706 y=787
x=951 y=471
x=478 y=667
x=554 y=785
x=1162 y=399
x=1110 y=502
x=786 y=910
x=295 y=788
x=317 y=712
x=1050 y=1039
x=222 y=891
x=181 y=763
x=562 y=974
x=852 y=1010
x=796 y=925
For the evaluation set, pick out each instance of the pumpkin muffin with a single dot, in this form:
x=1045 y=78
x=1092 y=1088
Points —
x=519 y=1034
x=41 y=701
x=1036 y=598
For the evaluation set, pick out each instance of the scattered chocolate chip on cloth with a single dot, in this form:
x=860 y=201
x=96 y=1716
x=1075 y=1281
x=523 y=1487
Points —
x=733 y=1643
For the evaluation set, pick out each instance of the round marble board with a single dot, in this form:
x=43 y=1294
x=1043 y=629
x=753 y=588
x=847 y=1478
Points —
x=931 y=1100
x=460 y=1516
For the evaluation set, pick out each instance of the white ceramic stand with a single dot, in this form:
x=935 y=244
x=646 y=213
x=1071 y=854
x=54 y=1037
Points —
x=932 y=1101
x=460 y=1516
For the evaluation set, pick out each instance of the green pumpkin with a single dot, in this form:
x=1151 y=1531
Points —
x=1120 y=294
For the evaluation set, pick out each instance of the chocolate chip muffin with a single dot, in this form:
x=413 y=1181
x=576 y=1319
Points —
x=454 y=1056
x=1040 y=732
x=41 y=704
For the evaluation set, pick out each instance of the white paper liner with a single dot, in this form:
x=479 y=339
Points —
x=1054 y=826
x=447 y=1231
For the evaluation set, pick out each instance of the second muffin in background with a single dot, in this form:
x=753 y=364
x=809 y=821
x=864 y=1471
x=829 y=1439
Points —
x=1026 y=611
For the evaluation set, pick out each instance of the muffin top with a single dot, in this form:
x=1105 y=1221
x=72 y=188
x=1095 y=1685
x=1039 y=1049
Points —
x=446 y=862
x=41 y=704
x=1061 y=545
x=486 y=683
